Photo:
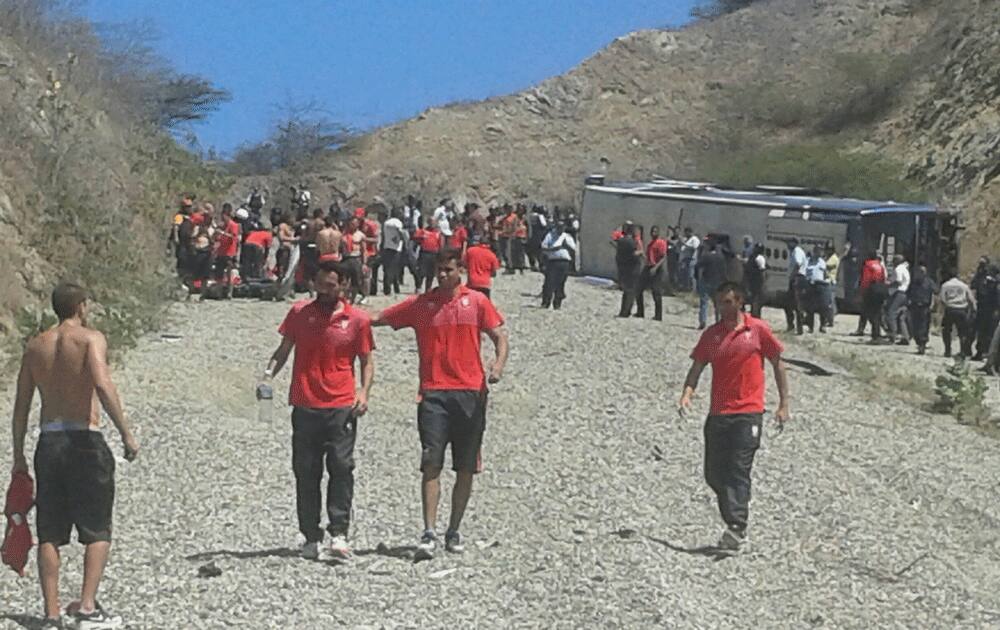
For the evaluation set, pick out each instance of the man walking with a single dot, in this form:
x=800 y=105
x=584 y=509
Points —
x=736 y=348
x=873 y=291
x=448 y=322
x=394 y=238
x=558 y=253
x=688 y=258
x=327 y=334
x=74 y=467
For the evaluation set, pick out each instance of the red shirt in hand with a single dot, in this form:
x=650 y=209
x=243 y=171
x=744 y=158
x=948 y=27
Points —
x=448 y=336
x=737 y=360
x=481 y=263
x=326 y=345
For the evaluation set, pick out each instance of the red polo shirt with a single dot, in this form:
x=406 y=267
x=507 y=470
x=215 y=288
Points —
x=260 y=238
x=448 y=336
x=737 y=359
x=229 y=240
x=430 y=240
x=458 y=238
x=656 y=251
x=481 y=263
x=326 y=345
x=871 y=273
x=370 y=228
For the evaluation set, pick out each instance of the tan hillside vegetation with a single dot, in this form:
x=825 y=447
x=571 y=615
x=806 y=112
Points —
x=87 y=167
x=882 y=98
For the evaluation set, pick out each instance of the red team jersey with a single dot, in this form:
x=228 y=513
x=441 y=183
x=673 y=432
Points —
x=481 y=263
x=326 y=345
x=737 y=360
x=448 y=336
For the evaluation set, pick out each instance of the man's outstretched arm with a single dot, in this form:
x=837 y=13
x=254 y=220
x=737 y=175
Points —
x=690 y=384
x=107 y=393
x=22 y=405
x=280 y=357
x=781 y=380
x=501 y=343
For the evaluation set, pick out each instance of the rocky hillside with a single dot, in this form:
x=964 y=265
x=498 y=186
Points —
x=911 y=79
x=86 y=173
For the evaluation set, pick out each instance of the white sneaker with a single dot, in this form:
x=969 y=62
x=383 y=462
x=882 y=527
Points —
x=338 y=549
x=310 y=551
x=733 y=542
x=453 y=543
x=426 y=547
x=100 y=619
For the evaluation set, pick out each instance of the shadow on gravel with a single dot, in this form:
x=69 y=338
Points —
x=277 y=552
x=811 y=368
x=25 y=621
x=401 y=552
x=707 y=551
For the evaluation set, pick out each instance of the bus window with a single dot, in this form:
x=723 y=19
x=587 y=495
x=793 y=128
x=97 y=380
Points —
x=767 y=252
x=784 y=255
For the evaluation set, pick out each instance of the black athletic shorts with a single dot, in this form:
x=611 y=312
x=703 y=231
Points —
x=452 y=416
x=75 y=474
x=310 y=261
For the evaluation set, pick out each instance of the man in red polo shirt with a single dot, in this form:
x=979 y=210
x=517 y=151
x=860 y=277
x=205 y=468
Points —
x=736 y=348
x=431 y=242
x=448 y=322
x=227 y=248
x=327 y=334
x=654 y=274
x=459 y=238
x=482 y=266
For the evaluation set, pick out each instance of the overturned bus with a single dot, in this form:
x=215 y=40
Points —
x=771 y=215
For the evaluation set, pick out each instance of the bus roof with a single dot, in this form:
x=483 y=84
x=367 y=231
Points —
x=783 y=197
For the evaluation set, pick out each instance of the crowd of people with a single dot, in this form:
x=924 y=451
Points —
x=227 y=253
x=894 y=299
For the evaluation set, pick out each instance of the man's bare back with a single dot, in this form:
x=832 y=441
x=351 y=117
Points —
x=328 y=240
x=61 y=362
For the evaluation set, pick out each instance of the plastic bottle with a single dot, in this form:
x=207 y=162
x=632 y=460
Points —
x=265 y=399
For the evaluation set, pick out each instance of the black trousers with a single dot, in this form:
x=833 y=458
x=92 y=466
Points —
x=554 y=285
x=427 y=265
x=517 y=254
x=731 y=441
x=920 y=323
x=986 y=323
x=756 y=298
x=374 y=263
x=957 y=318
x=872 y=301
x=628 y=279
x=654 y=283
x=793 y=302
x=392 y=271
x=319 y=434
x=252 y=260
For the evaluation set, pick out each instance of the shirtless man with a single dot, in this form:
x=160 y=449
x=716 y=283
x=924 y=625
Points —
x=328 y=239
x=74 y=468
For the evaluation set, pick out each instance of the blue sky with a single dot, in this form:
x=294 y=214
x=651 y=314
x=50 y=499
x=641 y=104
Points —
x=371 y=62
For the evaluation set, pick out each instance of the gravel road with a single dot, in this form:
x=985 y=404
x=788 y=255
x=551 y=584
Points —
x=868 y=510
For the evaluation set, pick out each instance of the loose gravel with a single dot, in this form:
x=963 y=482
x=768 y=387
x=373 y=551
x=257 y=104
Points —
x=868 y=511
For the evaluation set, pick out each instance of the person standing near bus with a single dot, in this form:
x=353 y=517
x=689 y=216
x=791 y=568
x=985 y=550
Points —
x=797 y=284
x=736 y=348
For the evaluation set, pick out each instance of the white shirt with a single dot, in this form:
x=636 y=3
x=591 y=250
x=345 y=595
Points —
x=551 y=242
x=690 y=247
x=761 y=262
x=797 y=261
x=393 y=234
x=441 y=216
x=902 y=272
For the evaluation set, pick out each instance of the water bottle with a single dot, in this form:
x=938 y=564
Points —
x=265 y=399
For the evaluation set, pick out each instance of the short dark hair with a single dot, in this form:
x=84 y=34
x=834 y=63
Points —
x=445 y=256
x=67 y=298
x=735 y=287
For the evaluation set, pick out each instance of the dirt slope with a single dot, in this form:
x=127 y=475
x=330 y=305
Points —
x=654 y=101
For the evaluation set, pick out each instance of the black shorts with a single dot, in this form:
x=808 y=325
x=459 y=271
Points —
x=75 y=474
x=310 y=262
x=452 y=416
